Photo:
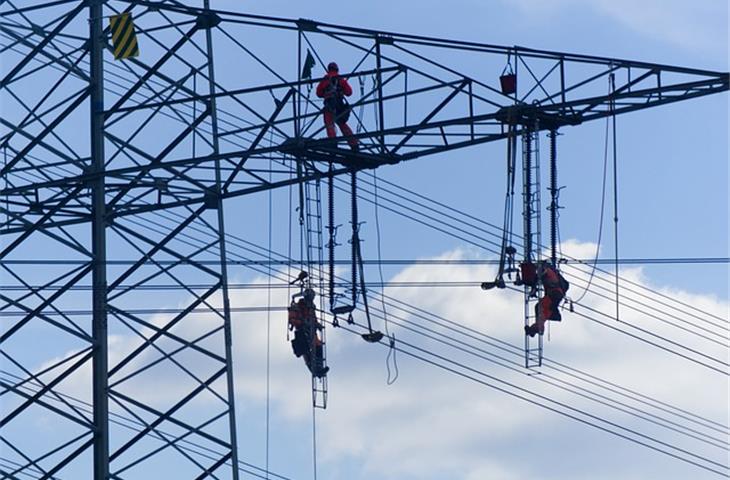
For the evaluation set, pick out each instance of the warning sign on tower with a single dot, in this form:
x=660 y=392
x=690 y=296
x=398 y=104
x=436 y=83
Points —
x=124 y=39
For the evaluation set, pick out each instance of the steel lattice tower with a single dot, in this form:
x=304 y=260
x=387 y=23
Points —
x=118 y=172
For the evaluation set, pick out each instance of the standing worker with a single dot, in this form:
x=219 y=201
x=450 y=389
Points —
x=334 y=88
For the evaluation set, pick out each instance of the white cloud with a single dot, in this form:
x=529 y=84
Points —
x=698 y=26
x=681 y=23
x=455 y=425
x=432 y=424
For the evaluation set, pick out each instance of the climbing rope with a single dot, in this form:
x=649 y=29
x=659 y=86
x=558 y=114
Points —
x=314 y=442
x=289 y=248
x=392 y=374
x=361 y=81
x=612 y=106
x=603 y=209
x=268 y=314
x=509 y=197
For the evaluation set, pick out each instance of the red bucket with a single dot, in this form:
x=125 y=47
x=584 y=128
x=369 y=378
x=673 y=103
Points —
x=508 y=83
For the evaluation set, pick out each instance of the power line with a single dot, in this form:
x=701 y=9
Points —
x=430 y=200
x=259 y=247
x=618 y=330
x=481 y=246
x=396 y=262
x=138 y=426
x=629 y=289
x=186 y=287
x=721 y=341
x=472 y=218
x=643 y=339
x=451 y=366
x=458 y=328
x=554 y=381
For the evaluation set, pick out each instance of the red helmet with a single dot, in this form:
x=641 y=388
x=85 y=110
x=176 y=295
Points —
x=333 y=66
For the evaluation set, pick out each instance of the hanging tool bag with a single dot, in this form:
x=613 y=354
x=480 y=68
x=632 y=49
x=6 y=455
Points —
x=299 y=343
x=338 y=105
x=295 y=316
x=564 y=285
x=528 y=270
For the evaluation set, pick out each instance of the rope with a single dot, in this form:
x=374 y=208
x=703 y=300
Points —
x=508 y=200
x=289 y=248
x=392 y=377
x=615 y=189
x=268 y=323
x=603 y=208
x=360 y=126
x=314 y=441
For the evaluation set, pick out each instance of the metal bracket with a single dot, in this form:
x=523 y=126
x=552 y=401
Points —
x=207 y=20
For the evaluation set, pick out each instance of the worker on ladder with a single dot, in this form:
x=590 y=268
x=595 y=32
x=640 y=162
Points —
x=334 y=88
x=554 y=285
x=306 y=342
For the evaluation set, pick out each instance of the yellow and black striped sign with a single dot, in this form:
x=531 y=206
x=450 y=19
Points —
x=124 y=39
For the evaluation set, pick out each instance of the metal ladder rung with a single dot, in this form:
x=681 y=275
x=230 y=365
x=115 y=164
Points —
x=315 y=259
x=531 y=211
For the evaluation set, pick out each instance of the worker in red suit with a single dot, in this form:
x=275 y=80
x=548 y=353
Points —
x=306 y=342
x=334 y=88
x=546 y=309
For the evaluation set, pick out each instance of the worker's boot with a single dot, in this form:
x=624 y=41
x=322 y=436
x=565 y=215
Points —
x=531 y=330
x=319 y=369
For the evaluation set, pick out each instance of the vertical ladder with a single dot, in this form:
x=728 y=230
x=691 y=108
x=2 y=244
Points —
x=315 y=262
x=531 y=209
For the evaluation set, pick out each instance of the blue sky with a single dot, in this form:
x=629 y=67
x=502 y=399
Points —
x=431 y=424
x=688 y=173
x=673 y=190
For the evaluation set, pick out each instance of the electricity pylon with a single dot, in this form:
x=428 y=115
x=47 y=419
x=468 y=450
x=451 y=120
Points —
x=113 y=169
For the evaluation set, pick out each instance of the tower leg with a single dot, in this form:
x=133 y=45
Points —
x=100 y=360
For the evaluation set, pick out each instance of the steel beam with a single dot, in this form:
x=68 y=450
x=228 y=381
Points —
x=156 y=205
x=100 y=363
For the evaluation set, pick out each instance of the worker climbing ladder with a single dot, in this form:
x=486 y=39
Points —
x=315 y=260
x=531 y=209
